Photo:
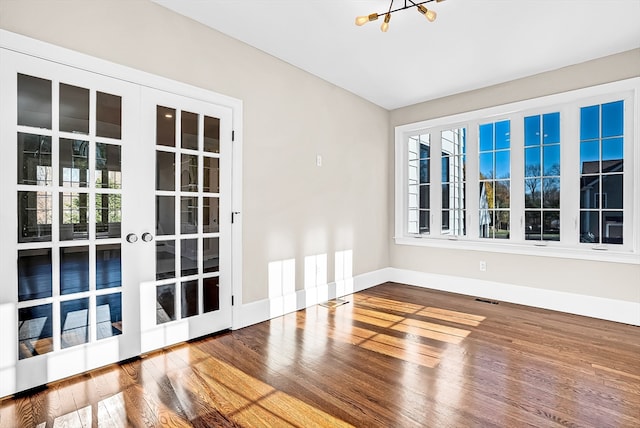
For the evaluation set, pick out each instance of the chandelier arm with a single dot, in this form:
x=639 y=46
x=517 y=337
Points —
x=413 y=4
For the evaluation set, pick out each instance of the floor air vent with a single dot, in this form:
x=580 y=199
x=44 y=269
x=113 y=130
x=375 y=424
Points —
x=333 y=303
x=493 y=302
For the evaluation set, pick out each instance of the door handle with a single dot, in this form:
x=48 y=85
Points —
x=147 y=237
x=131 y=238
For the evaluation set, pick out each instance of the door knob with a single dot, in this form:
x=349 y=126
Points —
x=147 y=237
x=131 y=238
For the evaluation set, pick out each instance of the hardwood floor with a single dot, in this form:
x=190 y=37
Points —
x=394 y=356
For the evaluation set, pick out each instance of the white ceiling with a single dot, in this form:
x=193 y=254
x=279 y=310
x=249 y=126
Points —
x=472 y=43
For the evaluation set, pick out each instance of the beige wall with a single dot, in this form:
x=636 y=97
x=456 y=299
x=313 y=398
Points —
x=610 y=280
x=291 y=208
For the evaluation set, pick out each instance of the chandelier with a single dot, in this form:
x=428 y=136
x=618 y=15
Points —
x=408 y=4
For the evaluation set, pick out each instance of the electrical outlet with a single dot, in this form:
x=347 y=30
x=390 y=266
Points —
x=483 y=266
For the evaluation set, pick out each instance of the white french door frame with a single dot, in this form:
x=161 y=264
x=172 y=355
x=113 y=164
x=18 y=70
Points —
x=84 y=63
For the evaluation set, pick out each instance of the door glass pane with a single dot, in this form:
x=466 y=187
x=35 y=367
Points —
x=74 y=109
x=74 y=216
x=165 y=259
x=189 y=298
x=165 y=171
x=165 y=126
x=210 y=215
x=108 y=171
x=108 y=115
x=34 y=160
x=108 y=215
x=74 y=163
x=211 y=134
x=34 y=216
x=188 y=257
x=211 y=175
x=210 y=294
x=165 y=303
x=189 y=173
x=109 y=315
x=189 y=127
x=108 y=266
x=34 y=102
x=165 y=215
x=74 y=270
x=34 y=274
x=74 y=322
x=35 y=331
x=188 y=214
x=210 y=254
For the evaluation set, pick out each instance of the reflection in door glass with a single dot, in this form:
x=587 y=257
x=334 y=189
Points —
x=74 y=322
x=165 y=170
x=108 y=215
x=165 y=126
x=211 y=134
x=211 y=175
x=211 y=294
x=34 y=160
x=35 y=331
x=108 y=172
x=210 y=254
x=165 y=215
x=188 y=214
x=108 y=266
x=74 y=216
x=34 y=274
x=189 y=129
x=189 y=298
x=108 y=115
x=210 y=215
x=188 y=257
x=165 y=259
x=165 y=303
x=74 y=163
x=109 y=315
x=34 y=101
x=74 y=109
x=34 y=216
x=189 y=173
x=74 y=270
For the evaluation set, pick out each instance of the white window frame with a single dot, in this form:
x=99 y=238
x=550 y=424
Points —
x=568 y=104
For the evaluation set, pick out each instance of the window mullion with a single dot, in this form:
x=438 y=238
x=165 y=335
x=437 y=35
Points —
x=473 y=186
x=570 y=175
x=436 y=183
x=517 y=178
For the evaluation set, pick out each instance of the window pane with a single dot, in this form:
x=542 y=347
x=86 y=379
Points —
x=189 y=128
x=74 y=163
x=189 y=173
x=503 y=138
x=165 y=126
x=503 y=164
x=446 y=202
x=165 y=259
x=211 y=294
x=74 y=109
x=425 y=174
x=188 y=257
x=532 y=195
x=424 y=221
x=108 y=170
x=589 y=157
x=34 y=160
x=532 y=131
x=424 y=196
x=589 y=123
x=612 y=119
x=34 y=102
x=34 y=274
x=486 y=137
x=109 y=315
x=612 y=191
x=589 y=226
x=486 y=165
x=552 y=160
x=74 y=318
x=210 y=215
x=74 y=270
x=211 y=251
x=165 y=171
x=501 y=225
x=612 y=227
x=165 y=215
x=34 y=216
x=35 y=331
x=74 y=216
x=501 y=190
x=551 y=192
x=590 y=191
x=532 y=162
x=108 y=215
x=211 y=134
x=189 y=298
x=612 y=155
x=551 y=226
x=533 y=225
x=108 y=115
x=551 y=126
x=165 y=303
x=108 y=266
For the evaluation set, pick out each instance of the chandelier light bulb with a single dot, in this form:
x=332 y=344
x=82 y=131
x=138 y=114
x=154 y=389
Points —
x=429 y=14
x=385 y=25
x=361 y=20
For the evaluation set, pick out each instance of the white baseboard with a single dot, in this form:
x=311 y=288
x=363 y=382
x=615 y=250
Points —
x=596 y=307
x=266 y=309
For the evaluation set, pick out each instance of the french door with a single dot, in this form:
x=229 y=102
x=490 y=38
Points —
x=112 y=242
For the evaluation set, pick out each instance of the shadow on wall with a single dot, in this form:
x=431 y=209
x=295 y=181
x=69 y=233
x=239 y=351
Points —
x=284 y=297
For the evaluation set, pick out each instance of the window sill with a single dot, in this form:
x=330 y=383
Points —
x=531 y=248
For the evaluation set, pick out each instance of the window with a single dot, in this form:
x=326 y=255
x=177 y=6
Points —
x=548 y=176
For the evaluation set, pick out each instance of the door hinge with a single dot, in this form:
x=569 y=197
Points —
x=232 y=300
x=233 y=216
x=233 y=135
